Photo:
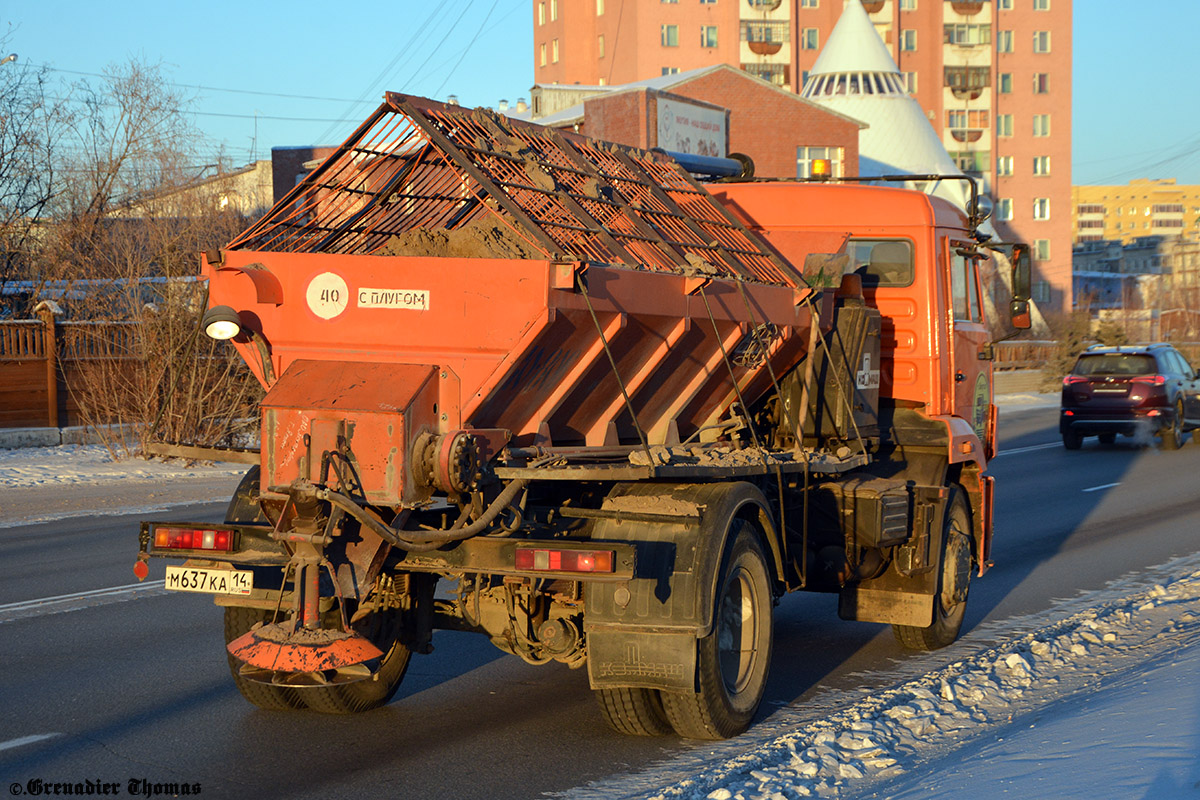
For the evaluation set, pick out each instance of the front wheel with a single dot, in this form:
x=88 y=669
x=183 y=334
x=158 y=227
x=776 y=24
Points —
x=733 y=660
x=950 y=605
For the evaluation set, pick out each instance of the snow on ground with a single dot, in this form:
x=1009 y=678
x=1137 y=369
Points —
x=1101 y=702
x=93 y=464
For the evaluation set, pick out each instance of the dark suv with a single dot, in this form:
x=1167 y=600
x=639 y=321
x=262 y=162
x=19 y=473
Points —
x=1141 y=390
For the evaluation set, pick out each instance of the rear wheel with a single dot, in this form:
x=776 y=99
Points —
x=635 y=712
x=732 y=662
x=1071 y=439
x=239 y=621
x=950 y=605
x=383 y=630
x=1172 y=437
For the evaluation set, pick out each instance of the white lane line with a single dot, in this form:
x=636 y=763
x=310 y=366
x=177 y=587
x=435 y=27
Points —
x=78 y=600
x=24 y=740
x=1029 y=449
x=1102 y=486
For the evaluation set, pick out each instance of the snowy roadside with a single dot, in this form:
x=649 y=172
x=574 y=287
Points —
x=46 y=484
x=909 y=740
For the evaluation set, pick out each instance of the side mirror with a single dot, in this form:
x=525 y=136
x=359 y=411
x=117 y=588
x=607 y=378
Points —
x=1018 y=311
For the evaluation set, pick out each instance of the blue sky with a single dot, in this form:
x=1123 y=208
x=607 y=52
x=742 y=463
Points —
x=309 y=73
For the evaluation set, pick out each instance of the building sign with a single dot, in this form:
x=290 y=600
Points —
x=686 y=128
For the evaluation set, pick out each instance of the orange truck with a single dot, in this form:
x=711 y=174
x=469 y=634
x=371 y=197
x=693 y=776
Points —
x=557 y=392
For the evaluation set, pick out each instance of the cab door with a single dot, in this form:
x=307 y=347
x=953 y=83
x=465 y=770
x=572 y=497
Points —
x=969 y=337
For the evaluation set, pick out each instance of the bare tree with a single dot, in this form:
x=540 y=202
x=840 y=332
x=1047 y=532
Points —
x=31 y=130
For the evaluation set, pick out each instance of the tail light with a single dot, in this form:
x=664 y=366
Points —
x=1153 y=380
x=538 y=559
x=216 y=539
x=1070 y=379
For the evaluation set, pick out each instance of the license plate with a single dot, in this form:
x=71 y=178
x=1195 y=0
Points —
x=209 y=581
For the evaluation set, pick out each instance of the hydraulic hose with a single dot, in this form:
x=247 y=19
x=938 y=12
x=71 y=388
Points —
x=423 y=541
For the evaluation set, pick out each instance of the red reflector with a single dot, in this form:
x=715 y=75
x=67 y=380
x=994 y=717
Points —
x=1154 y=412
x=193 y=539
x=546 y=560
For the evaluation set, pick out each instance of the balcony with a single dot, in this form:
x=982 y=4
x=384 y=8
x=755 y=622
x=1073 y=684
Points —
x=765 y=48
x=965 y=7
x=873 y=6
x=967 y=134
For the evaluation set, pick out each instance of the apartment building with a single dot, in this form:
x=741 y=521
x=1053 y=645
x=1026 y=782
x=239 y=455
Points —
x=993 y=77
x=1143 y=207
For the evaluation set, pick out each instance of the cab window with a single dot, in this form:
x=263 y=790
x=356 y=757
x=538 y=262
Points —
x=882 y=262
x=964 y=287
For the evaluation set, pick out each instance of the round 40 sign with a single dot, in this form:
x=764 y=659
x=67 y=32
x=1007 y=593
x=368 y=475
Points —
x=327 y=295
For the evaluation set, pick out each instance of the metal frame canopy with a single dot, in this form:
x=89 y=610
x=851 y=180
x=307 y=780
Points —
x=416 y=164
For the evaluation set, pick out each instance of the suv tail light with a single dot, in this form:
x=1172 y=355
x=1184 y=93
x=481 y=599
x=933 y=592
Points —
x=1153 y=380
x=1070 y=379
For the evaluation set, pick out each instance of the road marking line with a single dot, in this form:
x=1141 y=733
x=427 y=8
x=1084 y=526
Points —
x=24 y=740
x=1029 y=449
x=73 y=602
x=1102 y=486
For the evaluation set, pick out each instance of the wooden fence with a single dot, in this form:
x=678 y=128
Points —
x=40 y=366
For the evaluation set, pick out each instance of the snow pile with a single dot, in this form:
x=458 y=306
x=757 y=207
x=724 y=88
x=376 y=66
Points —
x=93 y=464
x=894 y=732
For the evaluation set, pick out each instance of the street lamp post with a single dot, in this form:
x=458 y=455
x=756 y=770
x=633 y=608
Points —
x=8 y=58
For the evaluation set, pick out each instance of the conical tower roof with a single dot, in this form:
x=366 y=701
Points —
x=855 y=75
x=854 y=46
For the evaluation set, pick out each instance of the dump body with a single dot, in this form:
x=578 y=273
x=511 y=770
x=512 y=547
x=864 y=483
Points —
x=600 y=402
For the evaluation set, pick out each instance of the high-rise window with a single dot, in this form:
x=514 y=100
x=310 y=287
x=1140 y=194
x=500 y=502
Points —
x=1004 y=166
x=1004 y=41
x=542 y=54
x=553 y=10
x=1041 y=125
x=670 y=35
x=810 y=39
x=1004 y=124
x=541 y=13
x=908 y=40
x=1041 y=41
x=1004 y=5
x=1041 y=83
x=599 y=8
x=803 y=3
x=1041 y=165
x=554 y=50
x=1004 y=84
x=910 y=82
x=1004 y=209
x=600 y=46
x=1041 y=252
x=908 y=5
x=708 y=35
x=670 y=70
x=1041 y=5
x=1041 y=208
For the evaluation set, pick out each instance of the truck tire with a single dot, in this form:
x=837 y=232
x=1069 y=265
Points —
x=954 y=580
x=733 y=660
x=351 y=698
x=634 y=712
x=239 y=621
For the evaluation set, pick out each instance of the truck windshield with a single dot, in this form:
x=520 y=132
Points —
x=881 y=262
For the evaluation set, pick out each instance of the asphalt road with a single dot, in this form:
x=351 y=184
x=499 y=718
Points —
x=132 y=684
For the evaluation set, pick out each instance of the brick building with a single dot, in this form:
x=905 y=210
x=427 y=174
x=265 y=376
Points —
x=993 y=76
x=762 y=121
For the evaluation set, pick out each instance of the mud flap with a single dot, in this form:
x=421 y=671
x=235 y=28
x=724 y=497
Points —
x=896 y=608
x=641 y=658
